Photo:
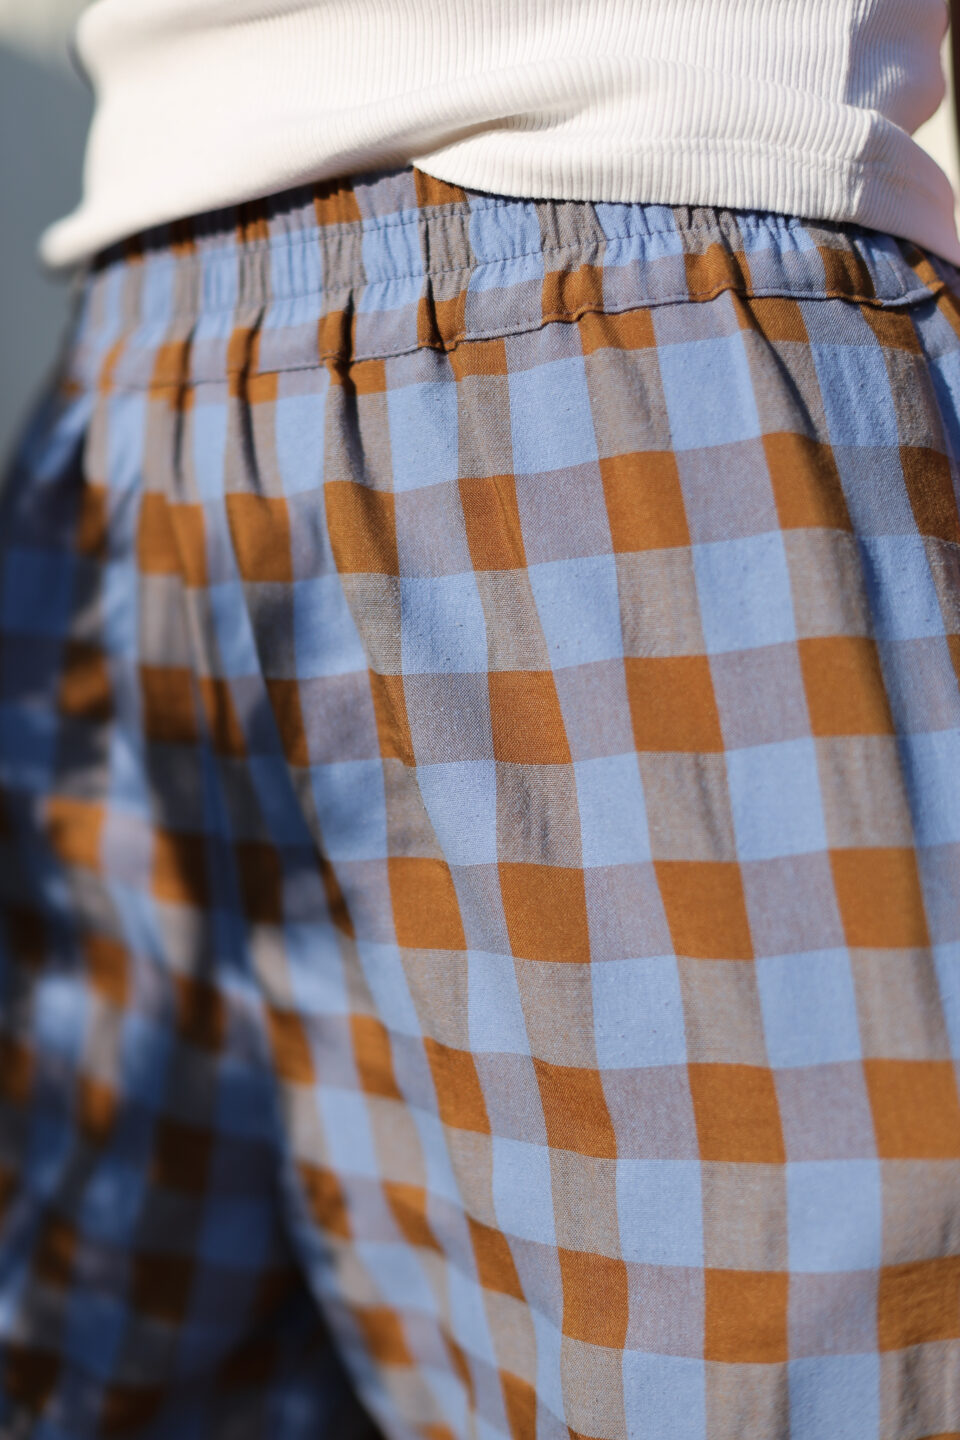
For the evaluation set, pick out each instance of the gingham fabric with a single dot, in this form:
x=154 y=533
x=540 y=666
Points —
x=480 y=836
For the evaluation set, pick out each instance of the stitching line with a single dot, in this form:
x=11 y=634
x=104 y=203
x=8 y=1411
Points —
x=89 y=374
x=585 y=247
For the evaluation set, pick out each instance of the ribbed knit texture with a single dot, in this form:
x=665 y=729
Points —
x=800 y=106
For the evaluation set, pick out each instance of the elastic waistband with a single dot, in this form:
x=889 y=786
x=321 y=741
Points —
x=378 y=265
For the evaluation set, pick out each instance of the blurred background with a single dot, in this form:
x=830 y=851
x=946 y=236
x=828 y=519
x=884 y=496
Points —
x=44 y=112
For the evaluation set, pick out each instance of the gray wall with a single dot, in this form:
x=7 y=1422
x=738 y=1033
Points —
x=44 y=112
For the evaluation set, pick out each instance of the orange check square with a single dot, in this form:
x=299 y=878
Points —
x=492 y=518
x=879 y=895
x=74 y=828
x=382 y=1330
x=929 y=483
x=425 y=909
x=644 y=501
x=109 y=967
x=181 y=1157
x=97 y=1106
x=30 y=1374
x=92 y=533
x=201 y=1013
x=408 y=1205
x=56 y=1253
x=189 y=528
x=16 y=1070
x=919 y=1303
x=223 y=722
x=285 y=702
x=290 y=1046
x=326 y=1200
x=459 y=1096
x=526 y=719
x=623 y=330
x=736 y=1113
x=595 y=1298
x=806 y=483
x=373 y=1057
x=169 y=704
x=157 y=552
x=916 y=1109
x=362 y=525
x=390 y=714
x=161 y=1286
x=546 y=912
x=575 y=1110
x=496 y=1267
x=567 y=292
x=179 y=868
x=844 y=685
x=705 y=908
x=746 y=1317
x=260 y=527
x=86 y=691
x=672 y=704
x=520 y=1403
x=260 y=873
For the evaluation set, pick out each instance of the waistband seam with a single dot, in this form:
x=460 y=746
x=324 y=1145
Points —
x=189 y=382
x=262 y=297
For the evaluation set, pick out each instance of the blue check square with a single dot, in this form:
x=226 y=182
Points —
x=660 y=1210
x=837 y=1396
x=208 y=422
x=325 y=636
x=709 y=392
x=775 y=796
x=495 y=1015
x=95 y=1325
x=550 y=417
x=522 y=1190
x=809 y=1009
x=423 y=433
x=461 y=801
x=401 y=1280
x=383 y=971
x=238 y=1233
x=351 y=808
x=506 y=243
x=900 y=588
x=744 y=592
x=664 y=1397
x=443 y=630
x=932 y=772
x=37 y=590
x=834 y=1215
x=613 y=814
x=347 y=1134
x=579 y=609
x=638 y=1013
x=855 y=386
x=299 y=423
x=317 y=981
x=28 y=744
x=126 y=428
x=392 y=262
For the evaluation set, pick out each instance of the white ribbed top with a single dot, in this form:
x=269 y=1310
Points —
x=802 y=106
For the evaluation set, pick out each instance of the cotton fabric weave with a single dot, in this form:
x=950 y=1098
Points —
x=480 y=831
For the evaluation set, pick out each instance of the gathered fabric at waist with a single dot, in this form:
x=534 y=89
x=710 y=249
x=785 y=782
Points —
x=391 y=262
